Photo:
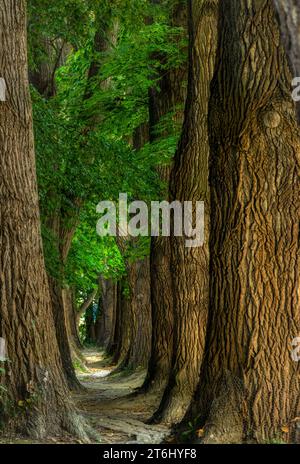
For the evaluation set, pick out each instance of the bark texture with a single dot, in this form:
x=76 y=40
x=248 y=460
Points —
x=189 y=182
x=249 y=383
x=60 y=311
x=140 y=307
x=133 y=318
x=107 y=313
x=33 y=376
x=168 y=97
x=123 y=324
x=69 y=301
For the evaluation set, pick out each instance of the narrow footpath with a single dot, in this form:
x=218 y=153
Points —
x=108 y=406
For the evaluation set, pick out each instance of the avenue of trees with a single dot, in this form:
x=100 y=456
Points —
x=187 y=100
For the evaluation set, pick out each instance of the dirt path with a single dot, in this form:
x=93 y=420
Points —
x=106 y=405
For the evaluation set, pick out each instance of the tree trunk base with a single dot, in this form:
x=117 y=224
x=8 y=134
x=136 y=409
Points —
x=225 y=421
x=173 y=408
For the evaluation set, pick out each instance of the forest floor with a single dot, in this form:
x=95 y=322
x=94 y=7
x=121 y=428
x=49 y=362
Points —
x=107 y=403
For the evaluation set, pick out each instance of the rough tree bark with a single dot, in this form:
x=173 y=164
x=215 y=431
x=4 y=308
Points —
x=249 y=383
x=34 y=374
x=133 y=317
x=140 y=307
x=60 y=318
x=139 y=300
x=71 y=317
x=169 y=97
x=189 y=182
x=107 y=313
x=122 y=332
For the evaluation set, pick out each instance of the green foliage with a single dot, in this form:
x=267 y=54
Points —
x=70 y=21
x=91 y=256
x=84 y=130
x=133 y=66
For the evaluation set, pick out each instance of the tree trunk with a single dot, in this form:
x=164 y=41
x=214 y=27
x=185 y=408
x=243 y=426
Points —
x=123 y=322
x=60 y=317
x=90 y=322
x=169 y=97
x=33 y=378
x=134 y=307
x=249 y=383
x=107 y=312
x=75 y=344
x=71 y=314
x=162 y=315
x=140 y=307
x=85 y=305
x=133 y=315
x=43 y=78
x=189 y=182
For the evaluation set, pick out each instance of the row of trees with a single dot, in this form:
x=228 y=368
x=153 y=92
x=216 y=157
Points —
x=214 y=324
x=224 y=315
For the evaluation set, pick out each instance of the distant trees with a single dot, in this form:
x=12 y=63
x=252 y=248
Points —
x=63 y=204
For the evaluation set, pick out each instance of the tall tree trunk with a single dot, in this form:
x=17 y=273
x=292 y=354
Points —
x=123 y=322
x=134 y=307
x=43 y=79
x=71 y=315
x=110 y=341
x=75 y=344
x=189 y=182
x=107 y=312
x=60 y=310
x=33 y=377
x=133 y=322
x=169 y=97
x=140 y=307
x=249 y=382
